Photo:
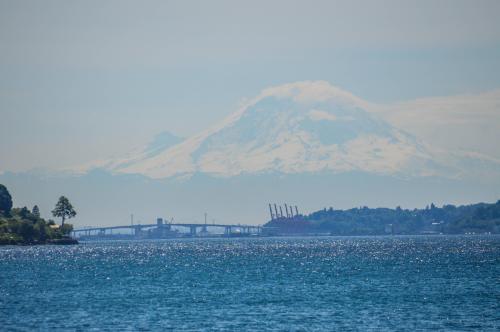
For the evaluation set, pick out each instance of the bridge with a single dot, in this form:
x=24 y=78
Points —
x=164 y=230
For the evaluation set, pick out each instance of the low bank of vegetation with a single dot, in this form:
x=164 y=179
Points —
x=449 y=219
x=25 y=227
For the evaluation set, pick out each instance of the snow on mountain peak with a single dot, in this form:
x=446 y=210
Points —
x=312 y=91
x=299 y=127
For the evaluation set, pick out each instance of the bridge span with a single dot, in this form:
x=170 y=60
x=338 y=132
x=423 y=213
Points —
x=167 y=230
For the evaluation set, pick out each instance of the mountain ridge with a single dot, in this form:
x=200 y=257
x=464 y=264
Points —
x=307 y=126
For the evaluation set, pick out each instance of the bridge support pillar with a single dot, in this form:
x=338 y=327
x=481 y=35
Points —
x=192 y=230
x=137 y=231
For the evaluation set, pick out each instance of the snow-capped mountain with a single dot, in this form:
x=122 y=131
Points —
x=293 y=128
x=305 y=143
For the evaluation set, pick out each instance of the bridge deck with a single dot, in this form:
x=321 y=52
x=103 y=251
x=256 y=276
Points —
x=90 y=229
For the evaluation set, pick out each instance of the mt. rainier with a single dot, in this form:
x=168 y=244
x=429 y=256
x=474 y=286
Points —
x=305 y=143
x=294 y=128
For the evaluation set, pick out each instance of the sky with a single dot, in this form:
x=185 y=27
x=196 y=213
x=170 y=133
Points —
x=86 y=80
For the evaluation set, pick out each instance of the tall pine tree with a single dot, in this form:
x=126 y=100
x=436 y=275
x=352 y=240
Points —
x=63 y=210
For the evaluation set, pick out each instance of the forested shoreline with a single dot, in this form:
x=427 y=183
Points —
x=477 y=218
x=22 y=226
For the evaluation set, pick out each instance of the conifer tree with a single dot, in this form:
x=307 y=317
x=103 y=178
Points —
x=5 y=200
x=63 y=210
x=36 y=211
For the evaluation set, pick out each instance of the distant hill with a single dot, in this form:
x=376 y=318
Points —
x=475 y=218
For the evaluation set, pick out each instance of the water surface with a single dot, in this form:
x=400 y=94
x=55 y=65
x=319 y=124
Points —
x=282 y=284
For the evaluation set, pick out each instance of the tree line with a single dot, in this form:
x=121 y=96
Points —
x=448 y=219
x=25 y=226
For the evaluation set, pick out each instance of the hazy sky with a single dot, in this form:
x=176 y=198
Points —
x=83 y=80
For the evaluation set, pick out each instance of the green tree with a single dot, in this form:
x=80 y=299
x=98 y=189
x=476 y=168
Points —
x=36 y=211
x=66 y=229
x=42 y=231
x=5 y=200
x=27 y=231
x=24 y=213
x=63 y=210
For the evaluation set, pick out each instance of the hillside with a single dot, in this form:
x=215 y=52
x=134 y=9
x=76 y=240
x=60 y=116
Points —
x=449 y=219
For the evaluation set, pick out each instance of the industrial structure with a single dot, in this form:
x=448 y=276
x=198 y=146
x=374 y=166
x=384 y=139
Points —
x=163 y=228
x=289 y=212
x=288 y=223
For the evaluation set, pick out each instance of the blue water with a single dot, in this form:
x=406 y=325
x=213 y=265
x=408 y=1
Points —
x=282 y=284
